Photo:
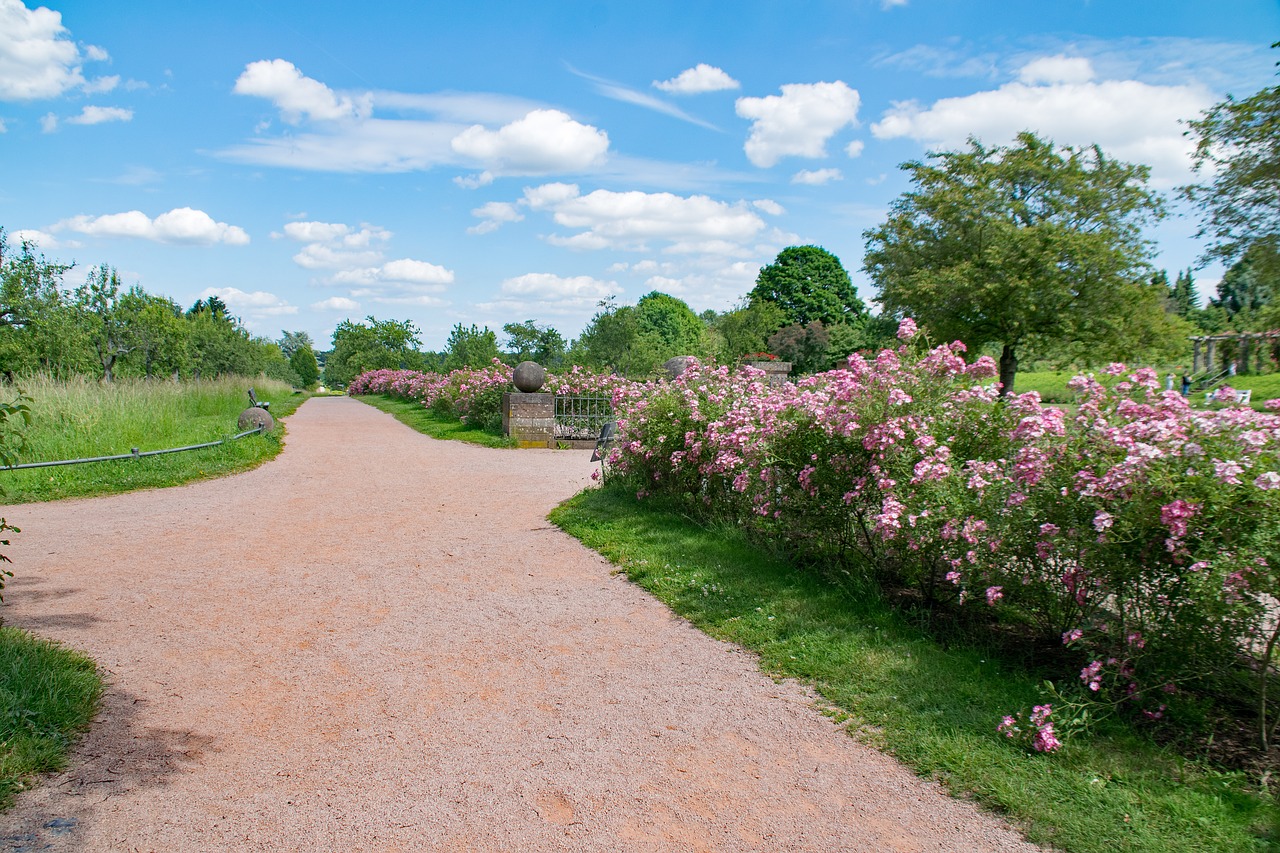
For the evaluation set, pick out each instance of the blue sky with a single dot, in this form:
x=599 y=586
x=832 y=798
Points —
x=493 y=162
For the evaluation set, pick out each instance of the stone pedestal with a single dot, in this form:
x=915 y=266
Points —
x=776 y=372
x=530 y=419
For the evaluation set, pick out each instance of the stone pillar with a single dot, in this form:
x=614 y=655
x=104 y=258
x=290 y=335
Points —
x=1195 y=356
x=1208 y=356
x=1243 y=361
x=529 y=418
x=776 y=372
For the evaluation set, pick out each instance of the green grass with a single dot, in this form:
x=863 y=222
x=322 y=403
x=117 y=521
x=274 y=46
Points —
x=935 y=708
x=427 y=422
x=47 y=694
x=1052 y=385
x=82 y=418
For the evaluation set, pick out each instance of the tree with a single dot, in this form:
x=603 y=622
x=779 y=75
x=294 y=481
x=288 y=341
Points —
x=808 y=283
x=670 y=325
x=470 y=347
x=303 y=362
x=291 y=342
x=1238 y=152
x=1185 y=301
x=745 y=330
x=160 y=333
x=1033 y=243
x=530 y=342
x=1248 y=286
x=804 y=346
x=612 y=341
x=110 y=335
x=358 y=348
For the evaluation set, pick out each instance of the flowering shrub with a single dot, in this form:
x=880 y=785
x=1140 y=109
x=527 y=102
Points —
x=1140 y=533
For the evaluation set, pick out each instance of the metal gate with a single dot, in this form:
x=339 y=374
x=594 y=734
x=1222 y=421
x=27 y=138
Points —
x=582 y=417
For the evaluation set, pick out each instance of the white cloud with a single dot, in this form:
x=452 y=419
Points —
x=317 y=256
x=40 y=239
x=1057 y=69
x=336 y=303
x=543 y=141
x=854 y=148
x=629 y=220
x=3 y=129
x=494 y=215
x=550 y=294
x=181 y=225
x=890 y=4
x=37 y=59
x=817 y=177
x=99 y=115
x=1130 y=120
x=315 y=232
x=296 y=95
x=769 y=206
x=48 y=123
x=259 y=303
x=798 y=122
x=474 y=182
x=701 y=78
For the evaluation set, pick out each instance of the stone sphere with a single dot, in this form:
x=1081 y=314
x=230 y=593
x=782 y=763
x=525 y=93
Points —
x=529 y=376
x=253 y=417
x=674 y=367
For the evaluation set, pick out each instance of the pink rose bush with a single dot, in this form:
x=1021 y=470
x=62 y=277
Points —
x=1139 y=532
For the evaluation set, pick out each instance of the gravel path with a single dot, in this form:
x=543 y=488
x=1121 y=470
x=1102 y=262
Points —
x=377 y=642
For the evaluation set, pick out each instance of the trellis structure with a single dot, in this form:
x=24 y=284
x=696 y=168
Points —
x=1249 y=345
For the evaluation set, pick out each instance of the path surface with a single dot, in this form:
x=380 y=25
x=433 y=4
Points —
x=377 y=642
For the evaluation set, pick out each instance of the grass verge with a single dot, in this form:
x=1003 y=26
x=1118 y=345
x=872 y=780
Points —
x=934 y=707
x=81 y=418
x=427 y=422
x=47 y=695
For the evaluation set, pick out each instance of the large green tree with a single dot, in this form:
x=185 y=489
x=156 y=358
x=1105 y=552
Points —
x=809 y=283
x=470 y=346
x=1238 y=155
x=670 y=325
x=1028 y=244
x=380 y=344
x=528 y=341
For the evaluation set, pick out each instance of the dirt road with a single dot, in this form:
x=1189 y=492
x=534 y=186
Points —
x=377 y=642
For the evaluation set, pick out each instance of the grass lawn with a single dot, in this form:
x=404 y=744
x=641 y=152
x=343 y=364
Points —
x=1052 y=386
x=427 y=422
x=47 y=694
x=82 y=418
x=936 y=707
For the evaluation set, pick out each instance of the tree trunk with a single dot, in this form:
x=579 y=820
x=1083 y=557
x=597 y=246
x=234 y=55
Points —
x=1008 y=370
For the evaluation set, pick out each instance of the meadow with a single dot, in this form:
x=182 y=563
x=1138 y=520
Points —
x=82 y=418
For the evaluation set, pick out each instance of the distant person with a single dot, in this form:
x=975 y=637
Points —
x=1231 y=369
x=1168 y=382
x=1186 y=385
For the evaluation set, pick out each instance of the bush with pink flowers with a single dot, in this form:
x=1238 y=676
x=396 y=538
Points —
x=1138 y=532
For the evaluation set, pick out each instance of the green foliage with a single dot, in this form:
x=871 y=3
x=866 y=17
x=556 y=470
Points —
x=470 y=347
x=809 y=283
x=12 y=441
x=529 y=342
x=670 y=325
x=1238 y=154
x=804 y=346
x=291 y=342
x=303 y=362
x=745 y=330
x=930 y=700
x=48 y=693
x=358 y=348
x=636 y=340
x=1248 y=288
x=1031 y=244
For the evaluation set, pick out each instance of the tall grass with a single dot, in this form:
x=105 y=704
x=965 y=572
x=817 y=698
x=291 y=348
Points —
x=80 y=418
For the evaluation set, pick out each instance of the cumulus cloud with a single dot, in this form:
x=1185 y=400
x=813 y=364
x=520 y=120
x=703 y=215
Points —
x=353 y=258
x=543 y=293
x=854 y=148
x=798 y=122
x=336 y=303
x=543 y=141
x=296 y=95
x=631 y=220
x=494 y=215
x=39 y=239
x=817 y=177
x=37 y=58
x=182 y=225
x=99 y=115
x=769 y=206
x=698 y=79
x=1058 y=98
x=257 y=304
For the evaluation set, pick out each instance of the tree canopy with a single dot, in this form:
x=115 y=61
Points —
x=1238 y=154
x=808 y=283
x=358 y=347
x=1019 y=245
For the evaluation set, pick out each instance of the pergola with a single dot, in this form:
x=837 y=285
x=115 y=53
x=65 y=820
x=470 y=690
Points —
x=1249 y=344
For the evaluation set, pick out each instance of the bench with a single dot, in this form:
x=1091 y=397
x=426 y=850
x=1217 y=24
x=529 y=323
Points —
x=253 y=401
x=604 y=441
x=1242 y=397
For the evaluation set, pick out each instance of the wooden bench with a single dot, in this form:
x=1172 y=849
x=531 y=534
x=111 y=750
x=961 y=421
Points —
x=253 y=401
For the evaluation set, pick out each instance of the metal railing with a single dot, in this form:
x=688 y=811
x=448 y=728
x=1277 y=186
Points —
x=582 y=417
x=133 y=453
